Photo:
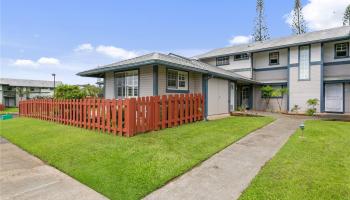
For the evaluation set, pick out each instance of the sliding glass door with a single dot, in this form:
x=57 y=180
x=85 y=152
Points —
x=126 y=84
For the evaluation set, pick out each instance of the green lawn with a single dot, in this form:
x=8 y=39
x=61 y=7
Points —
x=9 y=110
x=316 y=167
x=126 y=168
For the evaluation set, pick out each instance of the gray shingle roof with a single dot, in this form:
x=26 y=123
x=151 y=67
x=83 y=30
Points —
x=27 y=83
x=311 y=37
x=169 y=60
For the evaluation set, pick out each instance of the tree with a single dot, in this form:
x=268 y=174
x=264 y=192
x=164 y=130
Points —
x=21 y=91
x=280 y=93
x=298 y=22
x=75 y=92
x=346 y=18
x=312 y=103
x=92 y=91
x=266 y=93
x=64 y=91
x=260 y=30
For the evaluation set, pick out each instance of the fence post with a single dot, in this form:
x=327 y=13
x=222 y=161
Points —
x=130 y=116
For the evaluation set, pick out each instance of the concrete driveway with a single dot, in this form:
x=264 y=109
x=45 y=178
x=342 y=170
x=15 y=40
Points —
x=22 y=176
x=226 y=174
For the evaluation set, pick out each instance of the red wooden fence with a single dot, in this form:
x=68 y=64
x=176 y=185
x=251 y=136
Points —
x=2 y=107
x=123 y=117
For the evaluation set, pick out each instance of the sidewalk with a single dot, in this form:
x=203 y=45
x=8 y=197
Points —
x=22 y=176
x=226 y=174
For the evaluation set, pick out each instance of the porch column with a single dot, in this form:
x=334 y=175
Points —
x=205 y=93
x=155 y=80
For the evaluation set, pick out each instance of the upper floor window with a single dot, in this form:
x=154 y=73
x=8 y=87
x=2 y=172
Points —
x=341 y=50
x=177 y=80
x=222 y=61
x=274 y=58
x=243 y=56
x=127 y=83
x=304 y=63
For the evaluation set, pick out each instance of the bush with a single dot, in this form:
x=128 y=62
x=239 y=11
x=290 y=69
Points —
x=65 y=91
x=310 y=111
x=312 y=103
x=295 y=109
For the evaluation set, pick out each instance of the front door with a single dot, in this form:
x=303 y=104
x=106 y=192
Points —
x=245 y=97
x=334 y=97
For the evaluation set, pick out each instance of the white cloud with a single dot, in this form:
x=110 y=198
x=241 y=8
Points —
x=25 y=63
x=322 y=14
x=84 y=47
x=115 y=52
x=35 y=64
x=240 y=39
x=48 y=61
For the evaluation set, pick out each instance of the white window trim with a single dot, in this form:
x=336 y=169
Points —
x=305 y=71
x=179 y=73
x=134 y=86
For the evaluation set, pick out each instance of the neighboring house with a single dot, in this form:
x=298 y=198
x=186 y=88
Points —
x=14 y=90
x=311 y=65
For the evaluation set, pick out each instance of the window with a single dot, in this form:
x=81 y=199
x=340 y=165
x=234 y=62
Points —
x=304 y=62
x=222 y=61
x=341 y=50
x=177 y=80
x=126 y=84
x=243 y=56
x=274 y=58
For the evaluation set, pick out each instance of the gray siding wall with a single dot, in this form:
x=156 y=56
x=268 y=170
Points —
x=333 y=71
x=195 y=81
x=146 y=81
x=294 y=55
x=109 y=87
x=301 y=91
x=218 y=98
x=261 y=59
x=260 y=103
x=328 y=49
x=337 y=71
x=271 y=75
x=347 y=97
x=233 y=66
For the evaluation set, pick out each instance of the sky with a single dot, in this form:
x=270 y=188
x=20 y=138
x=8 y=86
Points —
x=64 y=37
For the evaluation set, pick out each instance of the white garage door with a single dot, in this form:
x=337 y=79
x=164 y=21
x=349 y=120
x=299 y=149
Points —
x=334 y=97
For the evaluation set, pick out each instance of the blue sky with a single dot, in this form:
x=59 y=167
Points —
x=65 y=37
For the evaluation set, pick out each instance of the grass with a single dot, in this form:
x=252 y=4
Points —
x=316 y=167
x=9 y=110
x=126 y=168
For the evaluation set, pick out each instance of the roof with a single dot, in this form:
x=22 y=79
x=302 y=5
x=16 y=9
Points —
x=173 y=60
x=27 y=83
x=306 y=38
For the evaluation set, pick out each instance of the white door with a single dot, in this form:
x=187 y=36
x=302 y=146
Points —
x=232 y=97
x=334 y=97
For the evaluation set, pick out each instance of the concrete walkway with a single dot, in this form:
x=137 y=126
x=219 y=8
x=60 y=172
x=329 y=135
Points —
x=22 y=176
x=226 y=174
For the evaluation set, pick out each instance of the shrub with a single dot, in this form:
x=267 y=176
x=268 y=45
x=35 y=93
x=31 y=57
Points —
x=266 y=93
x=310 y=111
x=312 y=103
x=295 y=109
x=65 y=91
